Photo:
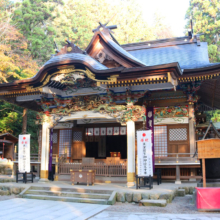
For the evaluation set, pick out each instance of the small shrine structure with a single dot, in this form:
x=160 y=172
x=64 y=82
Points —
x=96 y=99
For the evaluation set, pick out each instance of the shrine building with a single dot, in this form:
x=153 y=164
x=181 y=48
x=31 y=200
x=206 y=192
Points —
x=95 y=101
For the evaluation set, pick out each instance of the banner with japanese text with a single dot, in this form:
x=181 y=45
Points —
x=24 y=153
x=144 y=153
x=150 y=125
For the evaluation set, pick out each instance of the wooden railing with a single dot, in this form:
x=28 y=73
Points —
x=33 y=157
x=174 y=158
x=100 y=168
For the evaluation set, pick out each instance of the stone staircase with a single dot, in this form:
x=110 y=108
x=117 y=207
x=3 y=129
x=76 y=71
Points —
x=105 y=197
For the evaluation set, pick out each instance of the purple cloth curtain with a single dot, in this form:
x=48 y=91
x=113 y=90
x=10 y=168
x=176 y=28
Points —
x=51 y=150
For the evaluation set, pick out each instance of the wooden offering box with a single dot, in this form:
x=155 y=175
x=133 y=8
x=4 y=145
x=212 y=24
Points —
x=115 y=154
x=208 y=148
x=83 y=176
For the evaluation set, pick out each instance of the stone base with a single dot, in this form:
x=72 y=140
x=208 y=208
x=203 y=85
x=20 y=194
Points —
x=151 y=202
x=181 y=192
x=177 y=182
x=130 y=184
x=42 y=180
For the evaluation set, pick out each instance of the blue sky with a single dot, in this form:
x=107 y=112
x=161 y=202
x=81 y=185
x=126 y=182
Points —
x=172 y=10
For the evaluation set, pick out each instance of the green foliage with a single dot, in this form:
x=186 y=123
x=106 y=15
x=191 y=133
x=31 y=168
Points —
x=76 y=19
x=33 y=18
x=11 y=121
x=206 y=21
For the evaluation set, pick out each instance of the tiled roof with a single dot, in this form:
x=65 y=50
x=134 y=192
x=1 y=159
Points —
x=189 y=56
x=76 y=56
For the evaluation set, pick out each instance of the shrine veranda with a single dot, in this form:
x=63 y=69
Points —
x=95 y=101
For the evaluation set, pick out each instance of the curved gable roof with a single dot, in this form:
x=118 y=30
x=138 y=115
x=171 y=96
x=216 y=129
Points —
x=114 y=48
x=76 y=57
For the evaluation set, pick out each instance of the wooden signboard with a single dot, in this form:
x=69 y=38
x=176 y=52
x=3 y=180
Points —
x=208 y=148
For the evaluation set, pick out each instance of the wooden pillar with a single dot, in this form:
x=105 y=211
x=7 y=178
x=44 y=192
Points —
x=24 y=123
x=203 y=172
x=45 y=151
x=56 y=168
x=177 y=175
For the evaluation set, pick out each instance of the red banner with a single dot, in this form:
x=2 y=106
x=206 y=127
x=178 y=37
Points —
x=208 y=198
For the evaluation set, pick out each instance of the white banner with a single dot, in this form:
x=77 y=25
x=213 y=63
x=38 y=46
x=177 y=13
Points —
x=144 y=152
x=103 y=131
x=24 y=153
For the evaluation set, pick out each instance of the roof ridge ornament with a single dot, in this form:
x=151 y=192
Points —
x=70 y=48
x=104 y=26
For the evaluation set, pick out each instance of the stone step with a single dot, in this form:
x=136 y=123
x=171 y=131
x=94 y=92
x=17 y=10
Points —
x=81 y=190
x=68 y=194
x=66 y=199
x=180 y=192
x=151 y=202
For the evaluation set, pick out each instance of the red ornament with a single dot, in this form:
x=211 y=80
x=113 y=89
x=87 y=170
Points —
x=142 y=140
x=24 y=138
x=143 y=134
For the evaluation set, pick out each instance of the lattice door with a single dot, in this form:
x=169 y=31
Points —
x=78 y=145
x=178 y=140
x=55 y=141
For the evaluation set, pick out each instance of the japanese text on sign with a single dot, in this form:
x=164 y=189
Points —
x=24 y=153
x=144 y=152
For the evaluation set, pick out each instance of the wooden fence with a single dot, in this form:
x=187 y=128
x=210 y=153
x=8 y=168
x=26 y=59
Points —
x=100 y=168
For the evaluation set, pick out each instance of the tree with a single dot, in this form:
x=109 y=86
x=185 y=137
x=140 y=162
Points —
x=33 y=19
x=15 y=60
x=206 y=21
x=11 y=121
x=76 y=20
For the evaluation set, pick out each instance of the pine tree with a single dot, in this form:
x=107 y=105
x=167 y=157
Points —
x=206 y=21
x=33 y=19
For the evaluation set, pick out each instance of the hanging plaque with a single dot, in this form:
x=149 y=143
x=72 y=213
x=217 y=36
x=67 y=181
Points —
x=144 y=152
x=103 y=131
x=24 y=153
x=96 y=131
x=110 y=131
x=122 y=130
x=116 y=131
x=90 y=131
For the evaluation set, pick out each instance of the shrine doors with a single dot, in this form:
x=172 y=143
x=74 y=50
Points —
x=78 y=145
x=178 y=139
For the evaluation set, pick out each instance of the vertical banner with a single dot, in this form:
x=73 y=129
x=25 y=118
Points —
x=24 y=153
x=150 y=125
x=51 y=150
x=144 y=153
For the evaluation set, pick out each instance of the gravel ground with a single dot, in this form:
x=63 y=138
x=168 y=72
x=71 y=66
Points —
x=180 y=205
x=2 y=198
